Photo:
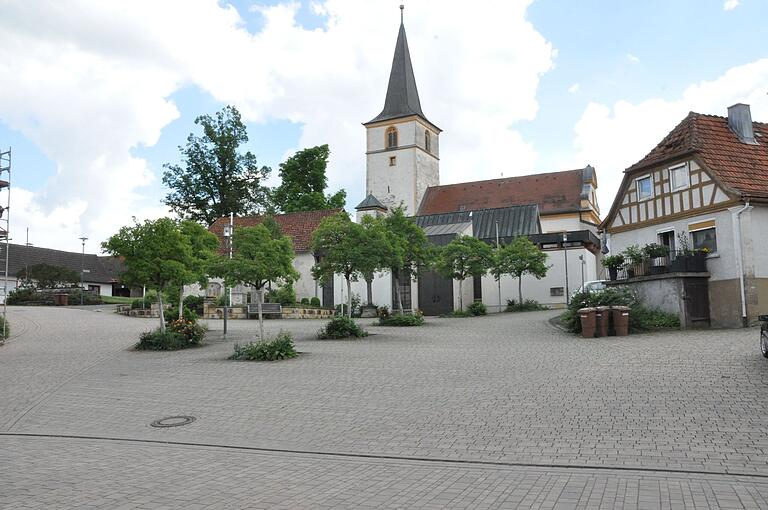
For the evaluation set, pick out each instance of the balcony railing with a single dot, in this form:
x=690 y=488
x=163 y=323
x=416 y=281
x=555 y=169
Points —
x=674 y=262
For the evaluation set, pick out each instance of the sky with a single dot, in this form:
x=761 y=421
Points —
x=96 y=96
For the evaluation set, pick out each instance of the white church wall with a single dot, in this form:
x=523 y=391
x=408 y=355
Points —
x=305 y=286
x=561 y=223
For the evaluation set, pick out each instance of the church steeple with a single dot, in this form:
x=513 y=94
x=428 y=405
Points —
x=402 y=95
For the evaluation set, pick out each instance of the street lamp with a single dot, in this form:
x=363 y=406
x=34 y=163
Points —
x=82 y=269
x=565 y=250
x=583 y=263
x=229 y=231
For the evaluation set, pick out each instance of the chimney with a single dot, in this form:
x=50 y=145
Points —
x=740 y=122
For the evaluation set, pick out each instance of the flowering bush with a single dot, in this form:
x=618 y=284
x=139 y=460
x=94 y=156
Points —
x=192 y=332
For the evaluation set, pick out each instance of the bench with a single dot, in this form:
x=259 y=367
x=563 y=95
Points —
x=266 y=308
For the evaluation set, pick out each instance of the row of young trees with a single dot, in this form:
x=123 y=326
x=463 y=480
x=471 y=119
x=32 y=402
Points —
x=396 y=244
x=216 y=177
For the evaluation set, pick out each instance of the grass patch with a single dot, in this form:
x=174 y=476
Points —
x=117 y=300
x=281 y=347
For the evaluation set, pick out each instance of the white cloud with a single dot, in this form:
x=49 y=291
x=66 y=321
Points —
x=88 y=81
x=632 y=58
x=613 y=138
x=574 y=88
x=730 y=5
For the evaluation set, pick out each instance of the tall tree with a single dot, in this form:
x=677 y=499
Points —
x=519 y=258
x=216 y=179
x=304 y=183
x=340 y=243
x=409 y=249
x=259 y=257
x=463 y=257
x=203 y=245
x=156 y=254
x=377 y=250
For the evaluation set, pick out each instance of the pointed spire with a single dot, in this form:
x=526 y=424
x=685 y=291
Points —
x=402 y=95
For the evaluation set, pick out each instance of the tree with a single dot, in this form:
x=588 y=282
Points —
x=258 y=258
x=341 y=245
x=377 y=250
x=304 y=183
x=519 y=258
x=203 y=245
x=463 y=257
x=47 y=276
x=216 y=178
x=156 y=254
x=409 y=248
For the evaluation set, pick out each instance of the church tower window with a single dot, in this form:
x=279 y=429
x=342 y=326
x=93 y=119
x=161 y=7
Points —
x=391 y=138
x=427 y=142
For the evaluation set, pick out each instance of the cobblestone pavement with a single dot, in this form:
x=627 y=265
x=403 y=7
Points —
x=529 y=411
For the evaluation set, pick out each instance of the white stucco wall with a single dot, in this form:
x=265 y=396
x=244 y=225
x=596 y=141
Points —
x=758 y=233
x=305 y=286
x=560 y=224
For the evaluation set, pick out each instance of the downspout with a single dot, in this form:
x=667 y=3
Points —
x=740 y=263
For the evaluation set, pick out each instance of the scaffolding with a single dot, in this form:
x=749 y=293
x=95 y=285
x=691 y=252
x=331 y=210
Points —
x=5 y=228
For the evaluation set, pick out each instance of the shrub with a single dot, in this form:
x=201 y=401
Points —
x=138 y=303
x=382 y=312
x=304 y=301
x=477 y=308
x=193 y=332
x=4 y=326
x=646 y=319
x=529 y=305
x=222 y=300
x=172 y=313
x=281 y=347
x=458 y=313
x=284 y=295
x=21 y=296
x=640 y=317
x=341 y=327
x=156 y=341
x=406 y=319
x=315 y=301
x=341 y=309
x=194 y=303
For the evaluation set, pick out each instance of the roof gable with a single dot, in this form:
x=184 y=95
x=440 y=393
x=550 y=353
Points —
x=299 y=226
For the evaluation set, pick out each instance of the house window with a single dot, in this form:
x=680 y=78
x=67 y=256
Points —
x=644 y=188
x=391 y=138
x=427 y=141
x=667 y=239
x=704 y=236
x=94 y=289
x=678 y=177
x=392 y=161
x=557 y=292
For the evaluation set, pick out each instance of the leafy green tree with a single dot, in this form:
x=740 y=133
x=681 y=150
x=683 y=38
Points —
x=156 y=254
x=377 y=250
x=304 y=183
x=47 y=276
x=519 y=258
x=408 y=249
x=341 y=245
x=257 y=259
x=216 y=179
x=203 y=245
x=463 y=257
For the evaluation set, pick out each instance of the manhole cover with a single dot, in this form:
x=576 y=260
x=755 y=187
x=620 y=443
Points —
x=173 y=421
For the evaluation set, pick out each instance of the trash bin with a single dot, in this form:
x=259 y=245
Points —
x=61 y=299
x=603 y=319
x=621 y=320
x=588 y=318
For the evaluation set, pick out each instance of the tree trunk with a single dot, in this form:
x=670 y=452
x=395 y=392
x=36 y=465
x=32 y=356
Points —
x=461 y=295
x=369 y=284
x=398 y=295
x=181 y=303
x=349 y=297
x=520 y=289
x=260 y=300
x=162 y=315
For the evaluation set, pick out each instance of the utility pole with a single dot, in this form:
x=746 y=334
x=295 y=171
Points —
x=497 y=251
x=82 y=269
x=565 y=250
x=581 y=259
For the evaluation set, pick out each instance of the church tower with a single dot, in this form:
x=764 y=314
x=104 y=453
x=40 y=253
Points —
x=402 y=156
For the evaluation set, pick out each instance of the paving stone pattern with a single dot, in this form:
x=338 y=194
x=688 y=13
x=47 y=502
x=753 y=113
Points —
x=509 y=389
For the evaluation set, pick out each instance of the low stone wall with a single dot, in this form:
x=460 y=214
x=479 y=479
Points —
x=153 y=311
x=211 y=311
x=306 y=313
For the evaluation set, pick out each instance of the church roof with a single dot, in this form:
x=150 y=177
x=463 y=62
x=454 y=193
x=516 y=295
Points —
x=402 y=95
x=512 y=221
x=371 y=202
x=556 y=192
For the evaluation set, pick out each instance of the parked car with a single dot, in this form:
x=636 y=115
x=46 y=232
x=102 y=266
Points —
x=592 y=286
x=764 y=335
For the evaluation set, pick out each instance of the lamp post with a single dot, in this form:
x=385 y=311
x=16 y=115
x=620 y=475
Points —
x=565 y=250
x=497 y=251
x=581 y=258
x=228 y=232
x=82 y=268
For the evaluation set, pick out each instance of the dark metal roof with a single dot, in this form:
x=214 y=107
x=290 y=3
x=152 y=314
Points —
x=402 y=95
x=513 y=221
x=371 y=202
x=101 y=269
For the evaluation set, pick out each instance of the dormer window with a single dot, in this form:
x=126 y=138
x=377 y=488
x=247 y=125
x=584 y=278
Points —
x=427 y=141
x=391 y=138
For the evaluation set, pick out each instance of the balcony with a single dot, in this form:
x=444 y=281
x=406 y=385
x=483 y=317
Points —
x=675 y=262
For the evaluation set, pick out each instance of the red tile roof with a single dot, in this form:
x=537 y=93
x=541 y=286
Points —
x=555 y=192
x=739 y=166
x=299 y=226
